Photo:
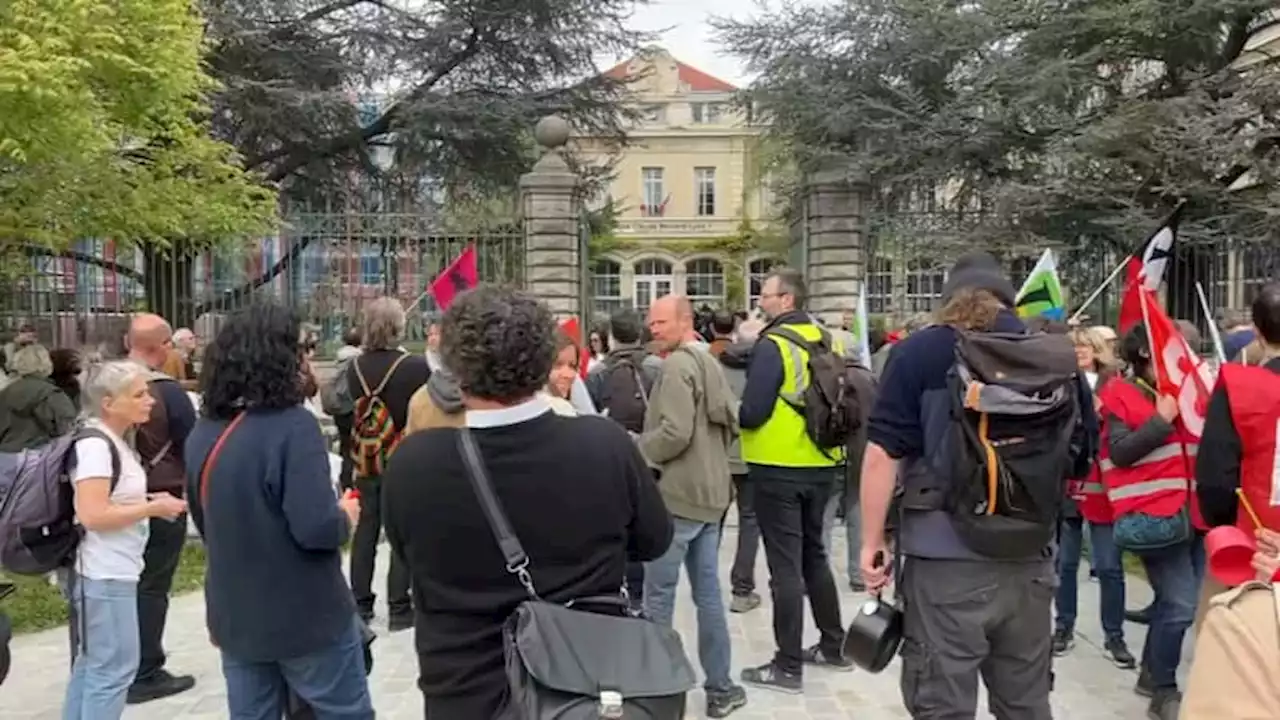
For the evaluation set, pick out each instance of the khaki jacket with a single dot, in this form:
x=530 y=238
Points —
x=424 y=414
x=1237 y=657
x=689 y=426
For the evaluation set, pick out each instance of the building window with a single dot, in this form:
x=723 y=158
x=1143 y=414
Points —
x=705 y=182
x=925 y=279
x=654 y=113
x=880 y=286
x=757 y=271
x=706 y=113
x=654 y=203
x=606 y=286
x=653 y=279
x=704 y=282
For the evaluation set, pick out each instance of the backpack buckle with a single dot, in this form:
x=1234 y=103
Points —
x=611 y=707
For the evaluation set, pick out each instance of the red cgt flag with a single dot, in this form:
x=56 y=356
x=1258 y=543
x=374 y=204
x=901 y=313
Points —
x=459 y=277
x=1179 y=371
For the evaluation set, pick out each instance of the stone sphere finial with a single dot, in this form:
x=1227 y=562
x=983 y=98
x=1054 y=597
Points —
x=551 y=132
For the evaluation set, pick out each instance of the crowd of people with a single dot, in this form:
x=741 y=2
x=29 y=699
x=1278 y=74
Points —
x=668 y=419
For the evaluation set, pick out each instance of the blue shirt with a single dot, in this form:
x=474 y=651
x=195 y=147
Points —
x=273 y=536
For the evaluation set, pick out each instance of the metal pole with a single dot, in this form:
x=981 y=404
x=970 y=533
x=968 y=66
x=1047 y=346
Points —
x=1094 y=295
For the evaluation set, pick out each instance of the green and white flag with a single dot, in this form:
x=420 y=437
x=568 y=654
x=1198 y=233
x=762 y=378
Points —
x=1041 y=294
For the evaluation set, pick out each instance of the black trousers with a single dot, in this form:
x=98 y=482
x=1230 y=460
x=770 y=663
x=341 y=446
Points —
x=789 y=513
x=343 y=424
x=160 y=562
x=364 y=553
x=742 y=576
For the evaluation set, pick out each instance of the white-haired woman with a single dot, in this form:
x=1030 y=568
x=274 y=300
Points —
x=113 y=507
x=33 y=410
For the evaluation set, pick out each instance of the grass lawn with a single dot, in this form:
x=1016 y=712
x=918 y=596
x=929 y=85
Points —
x=38 y=605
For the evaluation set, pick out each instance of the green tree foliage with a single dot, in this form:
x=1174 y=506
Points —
x=103 y=131
x=1054 y=120
x=315 y=91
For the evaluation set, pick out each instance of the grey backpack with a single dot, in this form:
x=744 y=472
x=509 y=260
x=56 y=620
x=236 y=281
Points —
x=38 y=529
x=335 y=394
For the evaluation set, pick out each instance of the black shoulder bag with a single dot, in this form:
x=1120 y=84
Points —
x=568 y=662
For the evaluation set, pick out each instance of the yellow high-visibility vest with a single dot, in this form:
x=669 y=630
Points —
x=782 y=441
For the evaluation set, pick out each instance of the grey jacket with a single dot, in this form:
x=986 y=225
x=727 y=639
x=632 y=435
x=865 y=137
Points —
x=734 y=360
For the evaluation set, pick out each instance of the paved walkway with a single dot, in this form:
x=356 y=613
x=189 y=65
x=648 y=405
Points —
x=1088 y=686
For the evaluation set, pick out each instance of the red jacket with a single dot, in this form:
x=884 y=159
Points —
x=1160 y=484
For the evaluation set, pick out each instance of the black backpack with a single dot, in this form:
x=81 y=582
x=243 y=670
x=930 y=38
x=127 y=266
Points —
x=830 y=404
x=1014 y=412
x=624 y=393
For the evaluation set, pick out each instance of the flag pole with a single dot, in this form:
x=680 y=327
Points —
x=1105 y=284
x=1151 y=341
x=1213 y=328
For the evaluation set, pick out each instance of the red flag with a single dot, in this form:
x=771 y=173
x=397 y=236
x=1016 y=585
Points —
x=1180 y=372
x=459 y=277
x=1131 y=300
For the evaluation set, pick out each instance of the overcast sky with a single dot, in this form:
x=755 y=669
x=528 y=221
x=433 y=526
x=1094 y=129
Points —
x=689 y=36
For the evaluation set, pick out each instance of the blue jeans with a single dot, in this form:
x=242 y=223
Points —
x=1173 y=576
x=105 y=618
x=696 y=545
x=332 y=681
x=852 y=532
x=1106 y=565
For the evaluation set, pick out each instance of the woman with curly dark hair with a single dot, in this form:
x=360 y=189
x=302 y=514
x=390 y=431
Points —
x=576 y=491
x=261 y=496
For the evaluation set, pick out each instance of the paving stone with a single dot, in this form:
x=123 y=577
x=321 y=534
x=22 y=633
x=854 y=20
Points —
x=1088 y=686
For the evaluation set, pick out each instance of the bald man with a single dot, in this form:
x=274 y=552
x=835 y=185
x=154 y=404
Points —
x=159 y=443
x=689 y=424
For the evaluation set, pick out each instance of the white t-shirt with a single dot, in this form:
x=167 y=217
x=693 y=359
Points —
x=115 y=555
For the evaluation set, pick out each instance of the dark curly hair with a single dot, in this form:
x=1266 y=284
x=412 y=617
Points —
x=499 y=342
x=253 y=362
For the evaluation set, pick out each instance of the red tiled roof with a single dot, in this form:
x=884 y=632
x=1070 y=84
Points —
x=697 y=80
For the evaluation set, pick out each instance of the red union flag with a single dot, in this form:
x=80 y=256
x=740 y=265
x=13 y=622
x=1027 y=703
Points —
x=1179 y=371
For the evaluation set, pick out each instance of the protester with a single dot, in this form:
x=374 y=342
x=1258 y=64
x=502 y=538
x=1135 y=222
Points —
x=598 y=343
x=25 y=336
x=67 y=367
x=1238 y=445
x=844 y=497
x=113 y=506
x=1090 y=504
x=690 y=424
x=33 y=410
x=734 y=359
x=1145 y=470
x=792 y=479
x=965 y=609
x=621 y=383
x=576 y=491
x=383 y=378
x=564 y=372
x=159 y=442
x=184 y=341
x=278 y=607
x=337 y=402
x=433 y=343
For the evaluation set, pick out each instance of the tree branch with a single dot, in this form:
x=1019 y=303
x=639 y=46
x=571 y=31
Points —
x=108 y=265
x=297 y=156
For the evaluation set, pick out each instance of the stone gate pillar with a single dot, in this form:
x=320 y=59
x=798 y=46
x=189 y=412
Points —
x=831 y=250
x=551 y=203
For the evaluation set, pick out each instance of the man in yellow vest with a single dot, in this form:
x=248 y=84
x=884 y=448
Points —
x=792 y=480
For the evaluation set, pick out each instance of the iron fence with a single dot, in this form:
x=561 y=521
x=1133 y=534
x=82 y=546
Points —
x=327 y=265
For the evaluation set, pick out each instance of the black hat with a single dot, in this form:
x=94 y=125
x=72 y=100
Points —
x=979 y=270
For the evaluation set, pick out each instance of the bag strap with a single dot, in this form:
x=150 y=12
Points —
x=164 y=450
x=116 y=468
x=207 y=467
x=512 y=551
x=377 y=391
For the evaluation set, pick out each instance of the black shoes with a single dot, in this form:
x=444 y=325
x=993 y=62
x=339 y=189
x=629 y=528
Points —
x=771 y=677
x=1118 y=653
x=816 y=656
x=400 y=620
x=1063 y=641
x=722 y=703
x=162 y=684
x=1165 y=704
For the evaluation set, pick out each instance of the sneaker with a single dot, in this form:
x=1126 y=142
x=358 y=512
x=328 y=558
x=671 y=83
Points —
x=1118 y=652
x=744 y=603
x=1143 y=687
x=401 y=620
x=1063 y=641
x=816 y=656
x=722 y=703
x=366 y=614
x=771 y=677
x=160 y=685
x=1165 y=704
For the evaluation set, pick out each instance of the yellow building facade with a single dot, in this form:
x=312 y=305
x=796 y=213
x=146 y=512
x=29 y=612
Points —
x=693 y=214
